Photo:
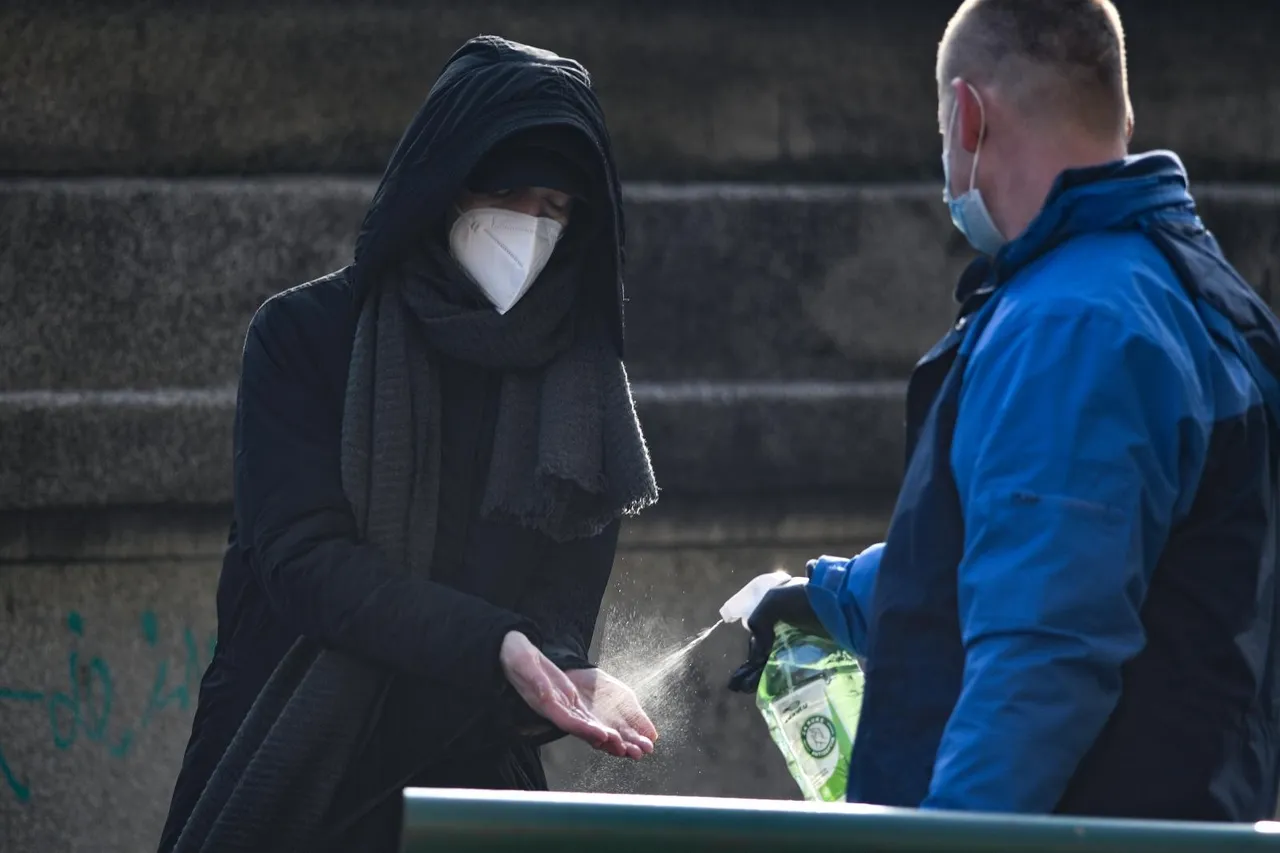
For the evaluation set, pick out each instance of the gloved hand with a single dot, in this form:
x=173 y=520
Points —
x=788 y=603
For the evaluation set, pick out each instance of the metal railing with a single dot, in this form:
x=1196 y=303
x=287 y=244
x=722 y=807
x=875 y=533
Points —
x=452 y=821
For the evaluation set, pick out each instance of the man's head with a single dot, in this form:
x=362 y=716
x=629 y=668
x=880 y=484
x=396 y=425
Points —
x=514 y=207
x=1026 y=89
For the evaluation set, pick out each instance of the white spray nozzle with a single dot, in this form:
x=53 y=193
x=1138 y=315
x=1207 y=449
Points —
x=744 y=602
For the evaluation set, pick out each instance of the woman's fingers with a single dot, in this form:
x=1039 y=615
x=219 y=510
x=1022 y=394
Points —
x=576 y=718
x=630 y=711
x=638 y=746
x=630 y=748
x=589 y=730
x=595 y=733
x=643 y=725
x=633 y=714
x=616 y=704
x=622 y=711
x=551 y=694
x=635 y=711
x=589 y=705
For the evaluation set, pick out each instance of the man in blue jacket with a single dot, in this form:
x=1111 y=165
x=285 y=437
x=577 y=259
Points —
x=1074 y=609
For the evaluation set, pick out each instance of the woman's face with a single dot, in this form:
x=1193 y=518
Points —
x=534 y=201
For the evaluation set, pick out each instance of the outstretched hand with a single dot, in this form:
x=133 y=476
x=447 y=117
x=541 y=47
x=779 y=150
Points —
x=553 y=696
x=616 y=705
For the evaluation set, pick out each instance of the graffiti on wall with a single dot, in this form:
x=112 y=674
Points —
x=79 y=705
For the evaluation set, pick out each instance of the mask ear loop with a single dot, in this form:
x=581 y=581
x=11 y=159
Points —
x=982 y=135
x=451 y=222
x=947 y=141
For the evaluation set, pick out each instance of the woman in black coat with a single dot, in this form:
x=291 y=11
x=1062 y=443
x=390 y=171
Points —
x=433 y=451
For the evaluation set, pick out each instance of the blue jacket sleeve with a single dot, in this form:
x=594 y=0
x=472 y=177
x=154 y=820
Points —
x=1066 y=457
x=840 y=593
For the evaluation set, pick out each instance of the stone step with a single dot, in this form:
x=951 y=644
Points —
x=121 y=448
x=694 y=89
x=142 y=284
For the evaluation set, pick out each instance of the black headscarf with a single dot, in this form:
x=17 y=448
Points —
x=490 y=91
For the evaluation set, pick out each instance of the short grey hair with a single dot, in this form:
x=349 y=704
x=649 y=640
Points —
x=1057 y=58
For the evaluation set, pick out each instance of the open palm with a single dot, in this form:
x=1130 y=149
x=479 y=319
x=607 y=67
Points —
x=616 y=705
x=551 y=694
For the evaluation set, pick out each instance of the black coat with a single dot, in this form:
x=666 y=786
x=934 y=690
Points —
x=295 y=565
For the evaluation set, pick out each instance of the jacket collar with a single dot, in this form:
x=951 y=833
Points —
x=1106 y=197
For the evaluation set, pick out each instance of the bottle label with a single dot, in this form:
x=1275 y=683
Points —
x=815 y=738
x=818 y=736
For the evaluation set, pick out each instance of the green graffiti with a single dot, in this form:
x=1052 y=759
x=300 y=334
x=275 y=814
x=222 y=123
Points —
x=82 y=708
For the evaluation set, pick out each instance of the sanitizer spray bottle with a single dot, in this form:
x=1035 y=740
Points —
x=810 y=696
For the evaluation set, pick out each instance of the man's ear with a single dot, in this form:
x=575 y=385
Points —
x=970 y=120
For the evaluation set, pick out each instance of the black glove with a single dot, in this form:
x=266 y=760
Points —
x=788 y=603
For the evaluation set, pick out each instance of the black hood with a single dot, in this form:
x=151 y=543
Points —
x=490 y=89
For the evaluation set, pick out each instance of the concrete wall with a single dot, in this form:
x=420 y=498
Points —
x=108 y=624
x=694 y=89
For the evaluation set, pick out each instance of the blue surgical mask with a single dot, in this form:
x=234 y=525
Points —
x=968 y=211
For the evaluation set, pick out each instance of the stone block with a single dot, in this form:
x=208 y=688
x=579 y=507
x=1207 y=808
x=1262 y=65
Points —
x=126 y=284
x=757 y=438
x=788 y=282
x=126 y=448
x=118 y=448
x=143 y=284
x=828 y=90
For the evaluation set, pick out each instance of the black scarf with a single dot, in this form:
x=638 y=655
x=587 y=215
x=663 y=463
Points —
x=568 y=454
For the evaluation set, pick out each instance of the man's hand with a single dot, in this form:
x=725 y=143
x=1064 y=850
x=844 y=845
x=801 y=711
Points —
x=789 y=604
x=551 y=694
x=615 y=704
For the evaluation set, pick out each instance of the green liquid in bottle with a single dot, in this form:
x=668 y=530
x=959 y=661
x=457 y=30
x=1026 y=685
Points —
x=811 y=695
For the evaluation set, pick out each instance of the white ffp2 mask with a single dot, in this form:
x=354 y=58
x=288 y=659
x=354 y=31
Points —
x=503 y=251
